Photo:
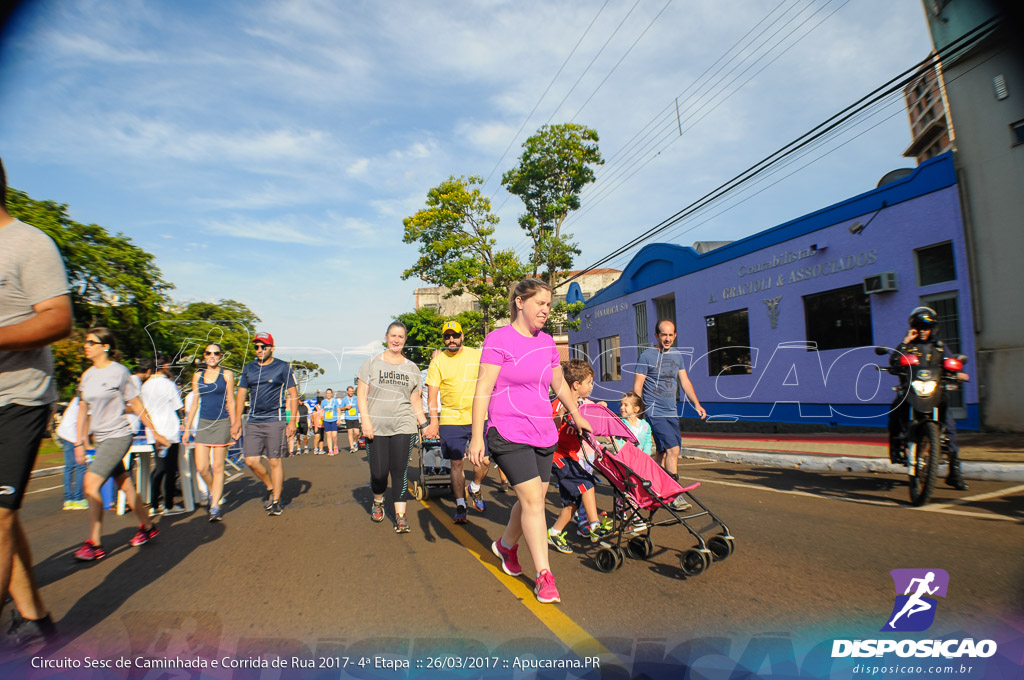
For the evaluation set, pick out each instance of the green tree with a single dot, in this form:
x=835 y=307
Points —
x=189 y=329
x=304 y=371
x=457 y=249
x=424 y=332
x=114 y=283
x=69 y=363
x=556 y=163
x=472 y=327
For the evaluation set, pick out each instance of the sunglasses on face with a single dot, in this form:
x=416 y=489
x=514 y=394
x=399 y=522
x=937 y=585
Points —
x=258 y=347
x=90 y=343
x=211 y=354
x=449 y=336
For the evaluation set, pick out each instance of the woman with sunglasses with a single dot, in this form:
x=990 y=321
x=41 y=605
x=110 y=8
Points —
x=214 y=388
x=389 y=399
x=106 y=390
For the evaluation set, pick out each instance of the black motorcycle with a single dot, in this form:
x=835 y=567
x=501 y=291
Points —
x=923 y=390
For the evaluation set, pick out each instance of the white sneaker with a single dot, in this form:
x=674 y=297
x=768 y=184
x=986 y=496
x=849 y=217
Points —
x=679 y=504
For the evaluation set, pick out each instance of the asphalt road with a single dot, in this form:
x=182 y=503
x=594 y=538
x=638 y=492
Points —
x=813 y=552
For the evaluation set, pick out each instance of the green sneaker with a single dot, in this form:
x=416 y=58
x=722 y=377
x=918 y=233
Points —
x=557 y=540
x=597 y=532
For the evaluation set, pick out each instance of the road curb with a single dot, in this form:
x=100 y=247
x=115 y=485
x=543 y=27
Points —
x=981 y=471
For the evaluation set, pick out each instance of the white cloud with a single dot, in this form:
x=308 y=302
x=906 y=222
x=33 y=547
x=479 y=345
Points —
x=358 y=168
x=490 y=137
x=80 y=46
x=276 y=230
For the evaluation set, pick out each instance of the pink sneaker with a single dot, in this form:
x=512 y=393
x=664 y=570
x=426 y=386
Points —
x=509 y=558
x=545 y=589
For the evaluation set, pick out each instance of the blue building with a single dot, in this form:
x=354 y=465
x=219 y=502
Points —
x=780 y=326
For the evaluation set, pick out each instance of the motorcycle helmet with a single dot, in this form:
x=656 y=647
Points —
x=924 y=318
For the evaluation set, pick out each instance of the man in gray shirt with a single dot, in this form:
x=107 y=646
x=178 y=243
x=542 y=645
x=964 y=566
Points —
x=658 y=371
x=35 y=310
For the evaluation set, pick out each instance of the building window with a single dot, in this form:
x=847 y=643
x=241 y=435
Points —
x=643 y=340
x=1017 y=132
x=935 y=264
x=838 y=318
x=665 y=308
x=611 y=359
x=728 y=343
x=578 y=351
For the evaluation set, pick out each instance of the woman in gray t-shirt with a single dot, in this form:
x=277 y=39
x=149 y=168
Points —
x=388 y=397
x=107 y=391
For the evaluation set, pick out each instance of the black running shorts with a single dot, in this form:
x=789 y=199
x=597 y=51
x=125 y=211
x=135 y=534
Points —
x=519 y=462
x=21 y=430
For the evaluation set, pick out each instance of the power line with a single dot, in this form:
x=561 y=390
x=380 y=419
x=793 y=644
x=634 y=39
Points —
x=624 y=55
x=520 y=250
x=523 y=245
x=666 y=112
x=604 y=191
x=544 y=94
x=963 y=43
x=606 y=42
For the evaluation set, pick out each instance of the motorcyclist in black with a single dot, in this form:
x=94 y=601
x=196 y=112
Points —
x=921 y=339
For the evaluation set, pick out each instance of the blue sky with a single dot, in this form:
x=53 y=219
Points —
x=268 y=151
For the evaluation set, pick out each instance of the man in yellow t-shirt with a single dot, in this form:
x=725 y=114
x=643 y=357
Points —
x=452 y=375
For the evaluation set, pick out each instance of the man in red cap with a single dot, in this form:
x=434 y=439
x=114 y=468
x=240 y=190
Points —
x=267 y=430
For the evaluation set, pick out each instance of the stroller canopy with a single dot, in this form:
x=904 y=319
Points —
x=606 y=423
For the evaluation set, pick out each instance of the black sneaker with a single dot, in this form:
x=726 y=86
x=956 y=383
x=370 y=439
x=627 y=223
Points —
x=275 y=509
x=28 y=634
x=268 y=500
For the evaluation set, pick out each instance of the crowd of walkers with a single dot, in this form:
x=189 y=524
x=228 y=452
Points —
x=482 y=405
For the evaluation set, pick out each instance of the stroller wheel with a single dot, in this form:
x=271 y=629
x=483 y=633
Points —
x=639 y=547
x=607 y=560
x=721 y=547
x=693 y=562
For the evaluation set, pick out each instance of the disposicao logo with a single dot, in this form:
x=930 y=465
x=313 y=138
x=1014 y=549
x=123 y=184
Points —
x=914 y=611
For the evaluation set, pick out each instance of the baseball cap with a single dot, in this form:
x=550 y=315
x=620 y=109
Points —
x=453 y=326
x=265 y=338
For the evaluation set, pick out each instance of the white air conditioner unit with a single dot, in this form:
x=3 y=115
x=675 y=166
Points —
x=881 y=283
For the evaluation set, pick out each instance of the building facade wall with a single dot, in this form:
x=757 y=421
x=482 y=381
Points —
x=990 y=167
x=788 y=382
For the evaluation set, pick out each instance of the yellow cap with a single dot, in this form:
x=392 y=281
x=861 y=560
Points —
x=451 y=326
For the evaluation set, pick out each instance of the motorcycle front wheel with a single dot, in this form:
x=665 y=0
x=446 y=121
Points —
x=922 y=481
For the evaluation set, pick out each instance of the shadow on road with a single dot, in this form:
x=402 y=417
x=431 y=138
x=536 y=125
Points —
x=179 y=536
x=865 y=487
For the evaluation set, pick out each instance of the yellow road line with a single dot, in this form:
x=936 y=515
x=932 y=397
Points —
x=568 y=631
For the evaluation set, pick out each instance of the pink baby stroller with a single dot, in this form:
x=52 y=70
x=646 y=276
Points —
x=641 y=488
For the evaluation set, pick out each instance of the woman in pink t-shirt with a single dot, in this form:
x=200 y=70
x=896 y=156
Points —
x=518 y=365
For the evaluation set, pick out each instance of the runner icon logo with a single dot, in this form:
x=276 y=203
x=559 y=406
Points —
x=914 y=609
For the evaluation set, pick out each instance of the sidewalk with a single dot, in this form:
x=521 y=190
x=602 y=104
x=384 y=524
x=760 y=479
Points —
x=998 y=457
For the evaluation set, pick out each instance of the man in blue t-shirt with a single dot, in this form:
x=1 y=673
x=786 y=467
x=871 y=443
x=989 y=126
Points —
x=658 y=371
x=350 y=407
x=267 y=430
x=331 y=406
